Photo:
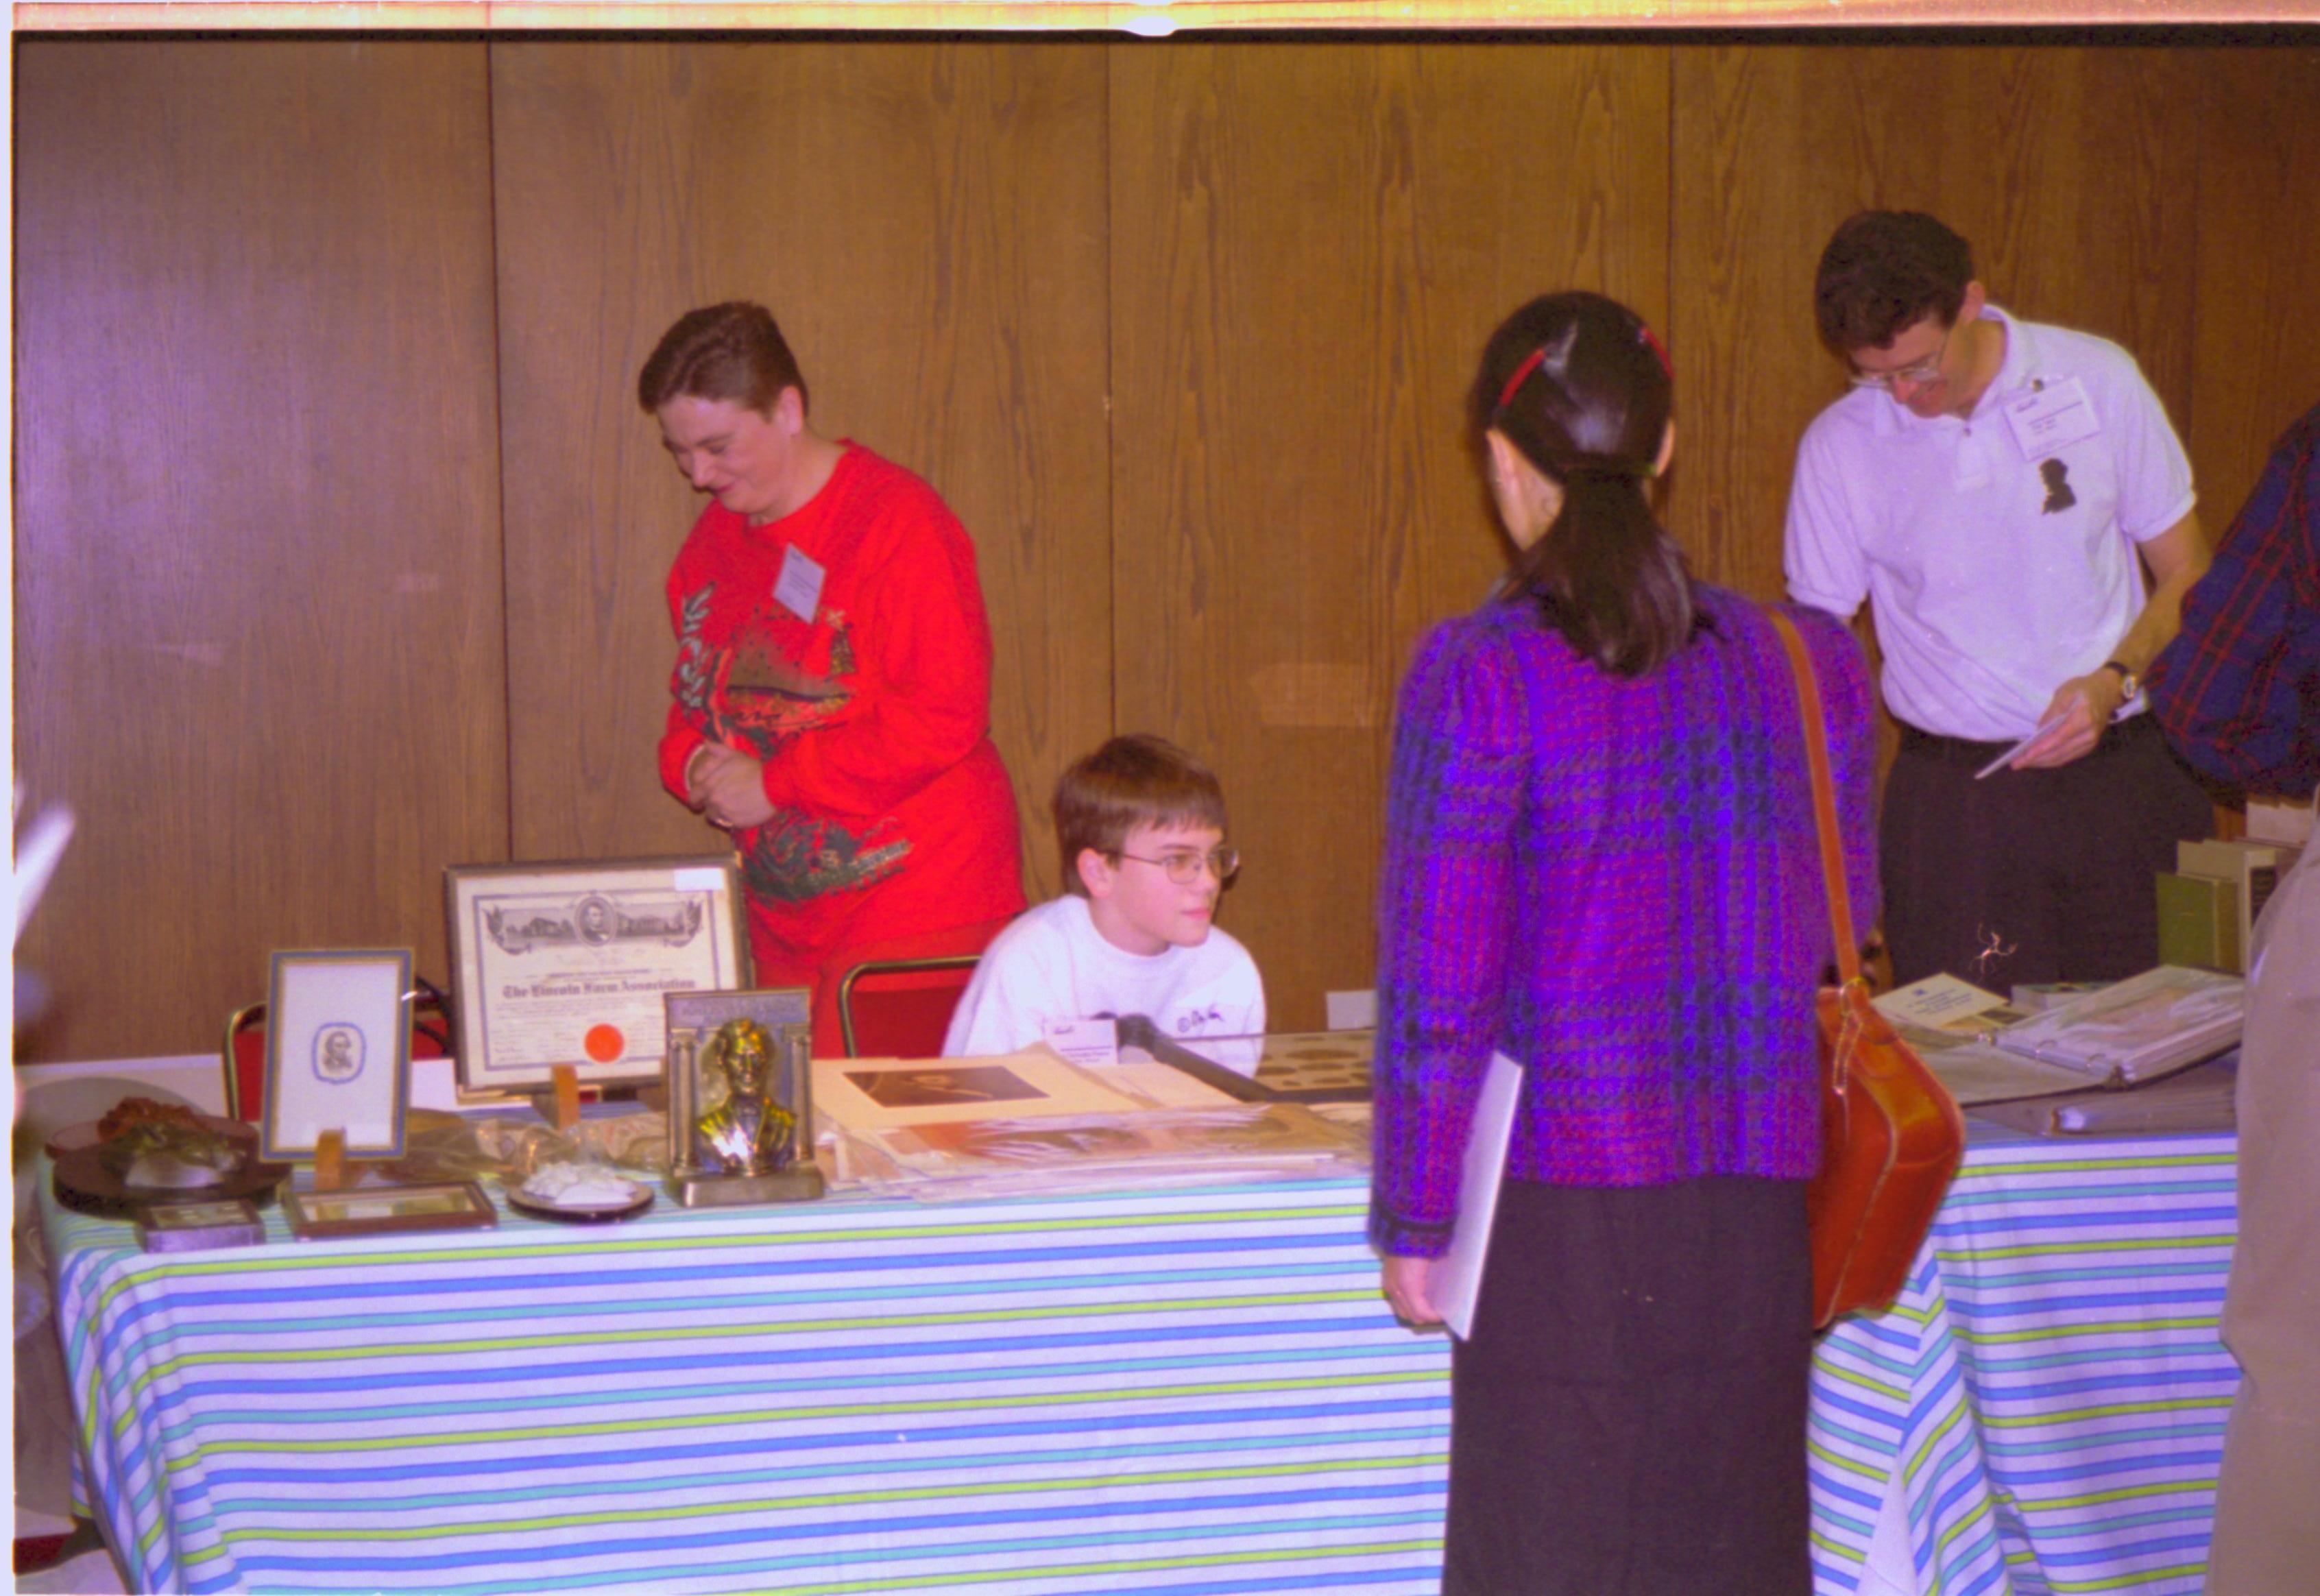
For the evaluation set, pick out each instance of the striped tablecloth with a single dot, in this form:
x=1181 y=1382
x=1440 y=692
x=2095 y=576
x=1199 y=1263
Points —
x=1196 y=1393
x=1185 y=1393
x=2050 y=1385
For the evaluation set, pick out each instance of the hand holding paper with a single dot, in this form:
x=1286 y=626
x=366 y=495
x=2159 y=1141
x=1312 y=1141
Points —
x=2053 y=722
x=1409 y=1287
x=1455 y=1286
x=2074 y=720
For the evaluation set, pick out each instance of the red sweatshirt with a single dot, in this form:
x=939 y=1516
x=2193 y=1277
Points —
x=893 y=813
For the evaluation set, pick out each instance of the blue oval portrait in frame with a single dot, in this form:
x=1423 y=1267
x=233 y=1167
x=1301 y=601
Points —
x=338 y=1052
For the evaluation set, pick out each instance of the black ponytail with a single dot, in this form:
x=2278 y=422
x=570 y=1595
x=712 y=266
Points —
x=1579 y=386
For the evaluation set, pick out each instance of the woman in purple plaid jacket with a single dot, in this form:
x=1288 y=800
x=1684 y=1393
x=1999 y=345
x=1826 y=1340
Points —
x=1601 y=861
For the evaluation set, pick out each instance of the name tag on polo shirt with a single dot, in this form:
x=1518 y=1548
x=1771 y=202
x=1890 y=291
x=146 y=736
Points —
x=2052 y=417
x=798 y=589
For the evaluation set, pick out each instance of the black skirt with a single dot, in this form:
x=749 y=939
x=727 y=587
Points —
x=1629 y=1417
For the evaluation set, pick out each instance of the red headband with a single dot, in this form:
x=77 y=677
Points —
x=1658 y=349
x=1531 y=363
x=1537 y=357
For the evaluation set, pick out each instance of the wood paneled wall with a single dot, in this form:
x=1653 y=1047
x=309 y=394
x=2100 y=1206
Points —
x=340 y=539
x=1309 y=245
x=258 y=600
x=2256 y=337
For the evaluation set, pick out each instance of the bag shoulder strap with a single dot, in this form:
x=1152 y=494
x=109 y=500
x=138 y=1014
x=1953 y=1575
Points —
x=1824 y=790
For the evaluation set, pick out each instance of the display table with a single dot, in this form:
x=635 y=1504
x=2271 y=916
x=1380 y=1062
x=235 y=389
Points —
x=1198 y=1391
x=1193 y=1392
x=2050 y=1386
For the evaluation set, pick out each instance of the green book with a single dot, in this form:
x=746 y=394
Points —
x=2253 y=867
x=2198 y=922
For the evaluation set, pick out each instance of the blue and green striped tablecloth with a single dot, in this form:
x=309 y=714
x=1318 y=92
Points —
x=1194 y=1394
x=2050 y=1385
x=1182 y=1394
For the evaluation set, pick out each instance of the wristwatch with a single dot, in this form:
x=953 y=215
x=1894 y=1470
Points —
x=2130 y=686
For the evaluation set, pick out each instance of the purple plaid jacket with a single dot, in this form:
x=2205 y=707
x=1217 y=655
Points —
x=2238 y=691
x=1617 y=883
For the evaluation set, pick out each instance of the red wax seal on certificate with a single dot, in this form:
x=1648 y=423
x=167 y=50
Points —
x=604 y=1043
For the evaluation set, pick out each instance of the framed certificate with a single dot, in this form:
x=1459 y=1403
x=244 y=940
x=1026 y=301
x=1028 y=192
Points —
x=569 y=963
x=382 y=1210
x=192 y=1227
x=338 y=1052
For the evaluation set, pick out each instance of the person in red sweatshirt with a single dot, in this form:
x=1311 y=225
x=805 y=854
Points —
x=832 y=690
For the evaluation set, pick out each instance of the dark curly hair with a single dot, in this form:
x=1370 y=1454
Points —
x=1882 y=272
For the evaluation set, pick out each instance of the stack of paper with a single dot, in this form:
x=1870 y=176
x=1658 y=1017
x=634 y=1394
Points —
x=867 y=1094
x=2138 y=1028
x=1945 y=1002
x=2198 y=1098
x=2035 y=997
x=1952 y=1025
x=960 y=1160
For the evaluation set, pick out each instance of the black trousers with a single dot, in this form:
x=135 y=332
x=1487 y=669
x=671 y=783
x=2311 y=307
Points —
x=1629 y=1417
x=2031 y=875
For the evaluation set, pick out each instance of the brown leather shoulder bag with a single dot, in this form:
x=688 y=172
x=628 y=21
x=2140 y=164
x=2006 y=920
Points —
x=1891 y=1135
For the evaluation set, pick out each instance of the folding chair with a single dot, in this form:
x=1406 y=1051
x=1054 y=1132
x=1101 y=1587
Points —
x=901 y=1008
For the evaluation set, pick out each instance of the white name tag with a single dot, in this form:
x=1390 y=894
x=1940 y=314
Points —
x=2053 y=417
x=1089 y=1043
x=798 y=589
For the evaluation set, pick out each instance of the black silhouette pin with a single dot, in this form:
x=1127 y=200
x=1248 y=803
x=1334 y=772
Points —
x=2059 y=497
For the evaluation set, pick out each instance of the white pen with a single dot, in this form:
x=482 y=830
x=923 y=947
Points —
x=2013 y=753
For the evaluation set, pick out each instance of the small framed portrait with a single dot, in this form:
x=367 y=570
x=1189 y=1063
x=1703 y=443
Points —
x=338 y=1052
x=740 y=1082
x=566 y=963
x=191 y=1227
x=382 y=1211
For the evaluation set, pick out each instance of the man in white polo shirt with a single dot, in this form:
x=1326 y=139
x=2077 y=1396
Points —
x=1995 y=488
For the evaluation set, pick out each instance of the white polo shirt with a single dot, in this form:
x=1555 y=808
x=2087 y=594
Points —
x=2000 y=560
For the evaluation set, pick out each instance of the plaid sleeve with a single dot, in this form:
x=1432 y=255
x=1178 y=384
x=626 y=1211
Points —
x=1444 y=907
x=2238 y=691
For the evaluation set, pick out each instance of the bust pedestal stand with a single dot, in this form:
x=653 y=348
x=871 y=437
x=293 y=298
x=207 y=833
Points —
x=693 y=1189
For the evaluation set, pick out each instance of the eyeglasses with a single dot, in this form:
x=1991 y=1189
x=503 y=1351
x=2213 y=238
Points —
x=1183 y=866
x=1916 y=374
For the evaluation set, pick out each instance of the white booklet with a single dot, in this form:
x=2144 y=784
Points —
x=1457 y=1280
x=1945 y=1002
x=2137 y=1028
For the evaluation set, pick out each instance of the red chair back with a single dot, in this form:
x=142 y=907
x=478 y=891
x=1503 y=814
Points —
x=243 y=1054
x=901 y=1008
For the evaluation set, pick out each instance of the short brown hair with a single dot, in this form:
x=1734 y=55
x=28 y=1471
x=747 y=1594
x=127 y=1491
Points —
x=733 y=351
x=1881 y=273
x=1138 y=780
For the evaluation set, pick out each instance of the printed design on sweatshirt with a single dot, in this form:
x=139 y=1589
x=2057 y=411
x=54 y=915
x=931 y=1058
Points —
x=796 y=857
x=1193 y=1021
x=748 y=692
